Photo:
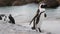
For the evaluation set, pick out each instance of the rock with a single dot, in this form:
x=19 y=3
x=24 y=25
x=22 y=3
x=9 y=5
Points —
x=22 y=2
x=3 y=2
x=18 y=3
x=10 y=2
x=51 y=3
x=58 y=1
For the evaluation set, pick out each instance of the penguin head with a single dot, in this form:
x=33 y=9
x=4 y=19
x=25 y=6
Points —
x=42 y=5
x=10 y=15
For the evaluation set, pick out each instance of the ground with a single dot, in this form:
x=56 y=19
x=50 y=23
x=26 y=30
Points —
x=48 y=27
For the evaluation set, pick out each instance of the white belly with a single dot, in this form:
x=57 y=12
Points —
x=41 y=20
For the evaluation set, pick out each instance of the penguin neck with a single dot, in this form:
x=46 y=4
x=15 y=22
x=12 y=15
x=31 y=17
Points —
x=41 y=9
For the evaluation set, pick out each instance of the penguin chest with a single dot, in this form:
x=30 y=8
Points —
x=42 y=17
x=41 y=20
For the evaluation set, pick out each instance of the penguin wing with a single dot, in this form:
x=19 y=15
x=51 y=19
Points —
x=45 y=15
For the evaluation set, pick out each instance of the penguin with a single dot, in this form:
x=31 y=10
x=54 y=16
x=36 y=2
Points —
x=34 y=20
x=11 y=19
x=1 y=16
x=42 y=15
x=6 y=19
x=39 y=17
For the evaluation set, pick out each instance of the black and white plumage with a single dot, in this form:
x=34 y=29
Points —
x=7 y=18
x=39 y=17
x=11 y=19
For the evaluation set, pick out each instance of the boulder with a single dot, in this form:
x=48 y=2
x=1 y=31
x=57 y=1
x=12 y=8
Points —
x=22 y=2
x=18 y=3
x=51 y=3
x=58 y=1
x=3 y=2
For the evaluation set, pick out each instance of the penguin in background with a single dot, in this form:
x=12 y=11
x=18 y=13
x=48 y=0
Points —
x=39 y=17
x=1 y=16
x=11 y=19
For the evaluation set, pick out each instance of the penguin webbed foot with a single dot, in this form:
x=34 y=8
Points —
x=39 y=30
x=33 y=28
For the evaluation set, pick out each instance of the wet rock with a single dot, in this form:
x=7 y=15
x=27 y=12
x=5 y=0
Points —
x=3 y=2
x=18 y=3
x=22 y=2
x=58 y=1
x=51 y=3
x=14 y=2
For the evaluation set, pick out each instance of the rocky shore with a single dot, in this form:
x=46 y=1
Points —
x=50 y=3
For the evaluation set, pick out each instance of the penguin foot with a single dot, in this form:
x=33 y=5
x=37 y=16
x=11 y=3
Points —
x=33 y=28
x=39 y=30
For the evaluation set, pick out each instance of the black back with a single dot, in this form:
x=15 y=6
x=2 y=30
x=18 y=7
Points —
x=11 y=19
